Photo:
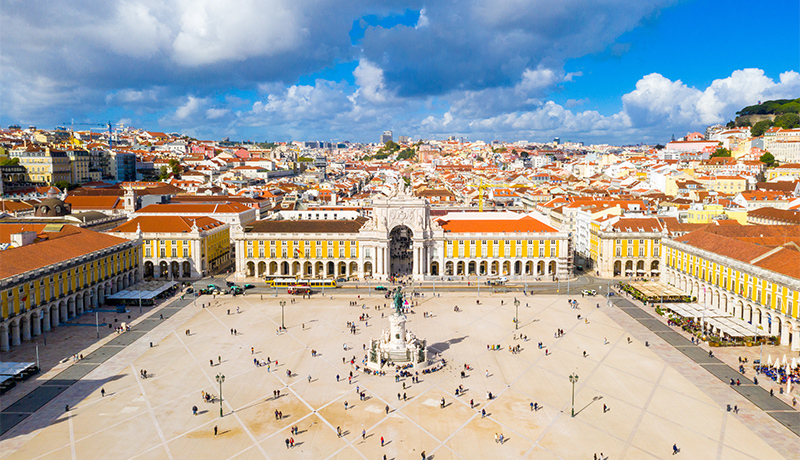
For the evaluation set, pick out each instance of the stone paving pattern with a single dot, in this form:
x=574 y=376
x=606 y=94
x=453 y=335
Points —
x=652 y=401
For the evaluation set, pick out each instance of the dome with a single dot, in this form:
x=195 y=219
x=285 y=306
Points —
x=52 y=207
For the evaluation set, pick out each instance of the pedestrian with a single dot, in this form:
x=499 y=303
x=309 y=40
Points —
x=363 y=434
x=382 y=442
x=472 y=404
x=215 y=430
x=252 y=351
x=483 y=413
x=495 y=438
x=194 y=410
x=423 y=455
x=219 y=359
x=103 y=392
x=287 y=442
x=387 y=409
x=675 y=449
x=345 y=405
x=487 y=373
x=339 y=431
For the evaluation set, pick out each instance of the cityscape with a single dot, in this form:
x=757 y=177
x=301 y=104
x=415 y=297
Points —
x=278 y=230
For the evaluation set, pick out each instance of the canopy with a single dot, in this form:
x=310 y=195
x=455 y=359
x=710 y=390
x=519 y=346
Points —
x=658 y=292
x=717 y=319
x=143 y=290
x=11 y=368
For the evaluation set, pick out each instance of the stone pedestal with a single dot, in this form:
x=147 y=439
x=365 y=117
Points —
x=396 y=345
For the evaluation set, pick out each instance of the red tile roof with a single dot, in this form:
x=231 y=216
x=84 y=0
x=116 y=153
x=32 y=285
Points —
x=167 y=224
x=526 y=224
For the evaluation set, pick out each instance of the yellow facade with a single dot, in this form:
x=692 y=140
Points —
x=771 y=295
x=468 y=248
x=52 y=285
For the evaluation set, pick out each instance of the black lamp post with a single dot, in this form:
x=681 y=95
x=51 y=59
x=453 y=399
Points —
x=574 y=379
x=220 y=379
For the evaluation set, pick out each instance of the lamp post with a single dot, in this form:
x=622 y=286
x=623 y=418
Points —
x=97 y=323
x=220 y=379
x=574 y=379
x=282 y=304
x=516 y=316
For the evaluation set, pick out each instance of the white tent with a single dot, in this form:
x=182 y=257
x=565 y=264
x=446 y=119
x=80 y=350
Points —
x=784 y=360
x=769 y=361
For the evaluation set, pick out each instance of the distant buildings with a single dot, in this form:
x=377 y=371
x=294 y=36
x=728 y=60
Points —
x=386 y=137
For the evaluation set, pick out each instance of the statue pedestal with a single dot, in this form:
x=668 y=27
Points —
x=396 y=346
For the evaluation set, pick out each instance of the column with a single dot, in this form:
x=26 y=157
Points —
x=15 y=334
x=785 y=333
x=796 y=338
x=54 y=317
x=25 y=330
x=377 y=267
x=416 y=261
x=37 y=324
x=46 y=317
x=4 y=346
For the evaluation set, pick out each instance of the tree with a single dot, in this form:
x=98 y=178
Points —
x=9 y=162
x=659 y=147
x=721 y=152
x=787 y=121
x=406 y=154
x=164 y=173
x=759 y=128
x=62 y=185
x=731 y=124
x=767 y=158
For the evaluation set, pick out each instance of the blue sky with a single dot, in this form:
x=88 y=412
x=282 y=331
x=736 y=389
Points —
x=618 y=71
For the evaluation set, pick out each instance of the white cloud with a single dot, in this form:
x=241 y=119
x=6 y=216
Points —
x=371 y=86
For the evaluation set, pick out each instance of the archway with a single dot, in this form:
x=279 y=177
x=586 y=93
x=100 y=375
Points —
x=285 y=268
x=251 y=268
x=175 y=269
x=401 y=260
x=528 y=268
x=368 y=269
x=187 y=269
x=148 y=269
x=448 y=268
x=471 y=268
x=353 y=269
x=618 y=268
x=262 y=268
x=540 y=268
x=435 y=268
x=482 y=268
x=296 y=268
x=342 y=269
x=518 y=268
x=628 y=268
x=495 y=268
x=506 y=267
x=163 y=269
x=308 y=269
x=551 y=268
x=330 y=269
x=319 y=269
x=273 y=268
x=460 y=268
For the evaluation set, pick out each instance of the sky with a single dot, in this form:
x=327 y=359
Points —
x=593 y=71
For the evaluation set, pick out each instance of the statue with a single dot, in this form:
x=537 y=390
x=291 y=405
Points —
x=398 y=301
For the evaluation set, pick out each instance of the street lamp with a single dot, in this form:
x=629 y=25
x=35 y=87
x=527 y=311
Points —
x=220 y=379
x=574 y=379
x=516 y=317
x=282 y=304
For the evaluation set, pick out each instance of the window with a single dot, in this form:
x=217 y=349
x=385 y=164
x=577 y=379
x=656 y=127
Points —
x=186 y=251
x=630 y=251
x=541 y=251
x=284 y=252
x=250 y=253
x=367 y=253
x=272 y=253
x=147 y=251
x=163 y=252
x=353 y=251
x=341 y=252
x=641 y=251
x=319 y=253
x=619 y=252
x=261 y=252
x=641 y=241
x=174 y=251
x=552 y=251
x=330 y=253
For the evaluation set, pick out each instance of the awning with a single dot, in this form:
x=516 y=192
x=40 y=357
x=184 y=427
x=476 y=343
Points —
x=11 y=368
x=145 y=290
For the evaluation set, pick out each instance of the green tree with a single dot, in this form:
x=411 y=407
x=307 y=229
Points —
x=759 y=128
x=787 y=121
x=731 y=124
x=9 y=162
x=305 y=160
x=164 y=173
x=62 y=184
x=721 y=152
x=767 y=158
x=406 y=154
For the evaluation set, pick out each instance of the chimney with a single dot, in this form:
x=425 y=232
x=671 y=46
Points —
x=22 y=239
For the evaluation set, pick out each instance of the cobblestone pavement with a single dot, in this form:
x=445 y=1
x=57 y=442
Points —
x=650 y=402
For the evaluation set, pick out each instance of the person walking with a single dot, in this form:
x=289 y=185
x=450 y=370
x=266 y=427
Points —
x=194 y=410
x=102 y=392
x=387 y=409
x=215 y=430
x=675 y=449
x=363 y=434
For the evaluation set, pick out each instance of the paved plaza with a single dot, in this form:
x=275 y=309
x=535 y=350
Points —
x=650 y=401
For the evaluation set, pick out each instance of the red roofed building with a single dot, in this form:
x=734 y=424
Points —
x=50 y=273
x=179 y=247
x=751 y=272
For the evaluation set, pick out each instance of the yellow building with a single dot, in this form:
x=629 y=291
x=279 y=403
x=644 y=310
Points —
x=626 y=246
x=784 y=171
x=52 y=273
x=748 y=271
x=400 y=241
x=44 y=165
x=705 y=213
x=730 y=185
x=178 y=247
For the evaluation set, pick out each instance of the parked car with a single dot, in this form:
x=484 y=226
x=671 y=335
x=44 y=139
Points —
x=236 y=290
x=249 y=286
x=341 y=280
x=381 y=288
x=589 y=292
x=230 y=283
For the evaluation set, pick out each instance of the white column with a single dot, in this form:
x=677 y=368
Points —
x=416 y=261
x=796 y=338
x=37 y=324
x=46 y=316
x=785 y=333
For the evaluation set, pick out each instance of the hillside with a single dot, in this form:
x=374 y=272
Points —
x=776 y=107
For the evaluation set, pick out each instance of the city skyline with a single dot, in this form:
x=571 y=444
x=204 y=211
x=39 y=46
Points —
x=622 y=72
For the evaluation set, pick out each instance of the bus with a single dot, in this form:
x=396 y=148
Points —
x=312 y=283
x=299 y=290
